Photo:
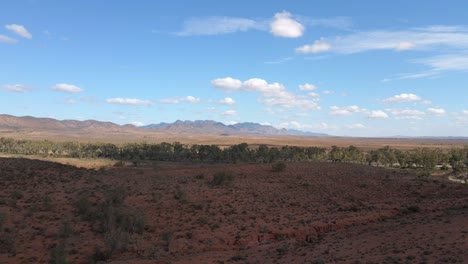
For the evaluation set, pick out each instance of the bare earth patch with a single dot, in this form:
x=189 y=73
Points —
x=308 y=213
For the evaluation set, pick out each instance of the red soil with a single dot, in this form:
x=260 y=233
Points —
x=309 y=213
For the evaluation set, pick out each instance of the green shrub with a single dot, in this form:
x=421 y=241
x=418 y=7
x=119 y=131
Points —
x=66 y=230
x=58 y=254
x=180 y=195
x=115 y=196
x=2 y=219
x=278 y=166
x=119 y=164
x=16 y=195
x=222 y=179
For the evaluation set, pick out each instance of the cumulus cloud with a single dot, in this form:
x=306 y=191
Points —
x=436 y=111
x=192 y=99
x=285 y=26
x=272 y=94
x=229 y=113
x=318 y=46
x=227 y=101
x=67 y=88
x=187 y=99
x=356 y=126
x=129 y=101
x=407 y=114
x=19 y=30
x=401 y=98
x=138 y=123
x=218 y=25
x=465 y=112
x=306 y=127
x=17 y=88
x=307 y=87
x=347 y=110
x=378 y=114
x=6 y=39
x=227 y=83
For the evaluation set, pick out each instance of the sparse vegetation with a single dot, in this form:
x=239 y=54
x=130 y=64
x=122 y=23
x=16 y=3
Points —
x=222 y=179
x=278 y=166
x=424 y=158
x=120 y=214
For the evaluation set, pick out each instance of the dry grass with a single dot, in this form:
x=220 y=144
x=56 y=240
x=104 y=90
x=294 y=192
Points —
x=224 y=141
x=76 y=162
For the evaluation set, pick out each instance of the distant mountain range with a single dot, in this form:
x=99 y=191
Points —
x=218 y=128
x=208 y=127
x=29 y=123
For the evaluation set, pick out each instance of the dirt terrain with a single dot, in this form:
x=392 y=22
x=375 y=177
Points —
x=229 y=140
x=192 y=213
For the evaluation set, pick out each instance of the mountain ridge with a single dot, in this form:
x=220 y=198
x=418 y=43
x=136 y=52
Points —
x=208 y=127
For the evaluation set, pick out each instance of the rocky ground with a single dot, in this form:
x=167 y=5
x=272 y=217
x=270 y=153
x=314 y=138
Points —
x=182 y=213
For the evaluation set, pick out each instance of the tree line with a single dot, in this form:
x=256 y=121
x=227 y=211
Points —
x=426 y=158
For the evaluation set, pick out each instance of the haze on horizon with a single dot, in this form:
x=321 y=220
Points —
x=345 y=69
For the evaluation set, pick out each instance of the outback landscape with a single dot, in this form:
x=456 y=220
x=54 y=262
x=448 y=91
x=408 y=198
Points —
x=223 y=132
x=78 y=202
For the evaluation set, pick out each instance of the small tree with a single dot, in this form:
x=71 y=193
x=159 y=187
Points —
x=278 y=166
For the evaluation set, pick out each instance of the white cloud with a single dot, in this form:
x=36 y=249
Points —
x=306 y=127
x=170 y=101
x=19 y=30
x=328 y=92
x=465 y=112
x=400 y=98
x=218 y=25
x=284 y=26
x=405 y=45
x=272 y=94
x=436 y=111
x=187 y=99
x=415 y=38
x=18 y=88
x=439 y=64
x=407 y=114
x=456 y=62
x=129 y=101
x=191 y=99
x=307 y=87
x=312 y=94
x=356 y=126
x=377 y=114
x=6 y=39
x=67 y=88
x=319 y=46
x=279 y=61
x=138 y=123
x=227 y=101
x=229 y=113
x=70 y=101
x=227 y=83
x=348 y=110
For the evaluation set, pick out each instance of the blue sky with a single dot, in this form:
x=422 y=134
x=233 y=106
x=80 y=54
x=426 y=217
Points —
x=366 y=68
